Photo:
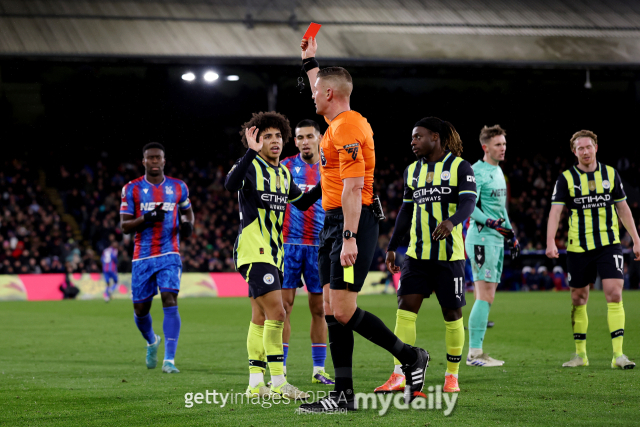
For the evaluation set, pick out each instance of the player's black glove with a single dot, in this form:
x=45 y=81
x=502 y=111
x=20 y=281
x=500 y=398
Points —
x=496 y=224
x=515 y=248
x=156 y=215
x=186 y=230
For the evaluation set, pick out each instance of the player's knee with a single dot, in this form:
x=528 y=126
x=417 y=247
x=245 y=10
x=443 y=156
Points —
x=317 y=310
x=287 y=307
x=614 y=297
x=327 y=309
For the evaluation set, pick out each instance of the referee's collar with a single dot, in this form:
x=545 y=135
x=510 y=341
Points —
x=580 y=171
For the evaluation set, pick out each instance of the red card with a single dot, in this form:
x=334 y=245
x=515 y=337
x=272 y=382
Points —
x=312 y=31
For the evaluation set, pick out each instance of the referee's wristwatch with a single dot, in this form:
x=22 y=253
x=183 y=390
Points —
x=348 y=234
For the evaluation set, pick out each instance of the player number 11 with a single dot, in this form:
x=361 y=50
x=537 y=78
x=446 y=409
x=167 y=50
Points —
x=457 y=283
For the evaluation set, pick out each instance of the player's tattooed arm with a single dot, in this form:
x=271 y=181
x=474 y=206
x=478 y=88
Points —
x=625 y=215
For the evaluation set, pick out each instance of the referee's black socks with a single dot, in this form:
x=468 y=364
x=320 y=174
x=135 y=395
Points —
x=374 y=329
x=341 y=347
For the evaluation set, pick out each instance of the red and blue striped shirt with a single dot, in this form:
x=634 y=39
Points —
x=139 y=197
x=303 y=227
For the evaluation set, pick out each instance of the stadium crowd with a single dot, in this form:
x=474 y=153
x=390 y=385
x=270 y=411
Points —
x=35 y=240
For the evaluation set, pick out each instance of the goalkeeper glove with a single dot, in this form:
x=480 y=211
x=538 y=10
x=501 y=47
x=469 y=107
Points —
x=515 y=248
x=496 y=224
x=186 y=229
x=156 y=215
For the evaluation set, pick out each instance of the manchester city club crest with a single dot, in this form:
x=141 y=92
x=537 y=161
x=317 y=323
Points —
x=429 y=177
x=445 y=176
x=268 y=278
x=606 y=184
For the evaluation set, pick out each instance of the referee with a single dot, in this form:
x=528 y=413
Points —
x=349 y=236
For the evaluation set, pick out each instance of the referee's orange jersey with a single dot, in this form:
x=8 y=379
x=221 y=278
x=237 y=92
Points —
x=346 y=151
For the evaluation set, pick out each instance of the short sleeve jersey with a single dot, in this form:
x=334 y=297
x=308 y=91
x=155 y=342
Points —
x=303 y=227
x=139 y=197
x=591 y=199
x=109 y=260
x=346 y=151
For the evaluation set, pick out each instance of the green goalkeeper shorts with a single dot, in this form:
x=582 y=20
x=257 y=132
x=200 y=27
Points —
x=486 y=262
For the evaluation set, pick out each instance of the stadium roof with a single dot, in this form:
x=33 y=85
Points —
x=535 y=31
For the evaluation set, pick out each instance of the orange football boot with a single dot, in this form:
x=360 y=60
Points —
x=395 y=383
x=450 y=384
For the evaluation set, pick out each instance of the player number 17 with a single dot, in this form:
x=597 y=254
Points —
x=618 y=259
x=457 y=283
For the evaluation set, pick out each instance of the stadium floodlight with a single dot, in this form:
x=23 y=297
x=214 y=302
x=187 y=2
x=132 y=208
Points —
x=233 y=78
x=189 y=77
x=587 y=84
x=210 y=76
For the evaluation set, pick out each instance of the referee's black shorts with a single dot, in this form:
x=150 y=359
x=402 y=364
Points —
x=331 y=271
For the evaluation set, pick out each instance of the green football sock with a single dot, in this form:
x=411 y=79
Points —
x=255 y=348
x=478 y=323
x=580 y=323
x=615 y=318
x=405 y=328
x=454 y=341
x=272 y=341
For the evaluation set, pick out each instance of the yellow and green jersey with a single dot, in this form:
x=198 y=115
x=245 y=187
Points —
x=591 y=199
x=264 y=191
x=435 y=188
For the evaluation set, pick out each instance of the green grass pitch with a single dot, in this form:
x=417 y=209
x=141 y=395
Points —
x=69 y=363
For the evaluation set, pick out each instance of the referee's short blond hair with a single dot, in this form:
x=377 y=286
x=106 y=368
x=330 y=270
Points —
x=338 y=78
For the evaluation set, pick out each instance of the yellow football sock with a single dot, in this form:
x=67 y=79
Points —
x=272 y=341
x=615 y=318
x=580 y=323
x=454 y=340
x=255 y=348
x=405 y=328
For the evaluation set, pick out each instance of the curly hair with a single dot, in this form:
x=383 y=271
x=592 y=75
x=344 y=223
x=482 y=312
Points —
x=583 y=134
x=265 y=120
x=449 y=137
x=489 y=132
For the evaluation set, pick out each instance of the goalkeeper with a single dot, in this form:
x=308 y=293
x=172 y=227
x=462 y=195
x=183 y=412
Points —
x=488 y=227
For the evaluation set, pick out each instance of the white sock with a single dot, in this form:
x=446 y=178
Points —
x=447 y=373
x=474 y=352
x=255 y=379
x=277 y=380
x=317 y=369
x=397 y=369
x=169 y=360
x=284 y=368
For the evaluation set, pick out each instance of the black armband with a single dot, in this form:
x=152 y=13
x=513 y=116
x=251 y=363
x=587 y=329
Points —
x=309 y=64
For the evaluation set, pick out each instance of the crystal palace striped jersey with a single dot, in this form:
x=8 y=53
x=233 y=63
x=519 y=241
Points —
x=434 y=189
x=303 y=227
x=139 y=197
x=590 y=198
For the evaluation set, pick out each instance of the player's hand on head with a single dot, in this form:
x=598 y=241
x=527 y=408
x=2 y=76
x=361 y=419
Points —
x=349 y=253
x=156 y=215
x=253 y=141
x=443 y=230
x=391 y=262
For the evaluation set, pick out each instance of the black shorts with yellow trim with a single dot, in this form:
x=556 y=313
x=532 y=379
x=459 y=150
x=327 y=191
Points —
x=606 y=262
x=424 y=276
x=330 y=269
x=262 y=278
